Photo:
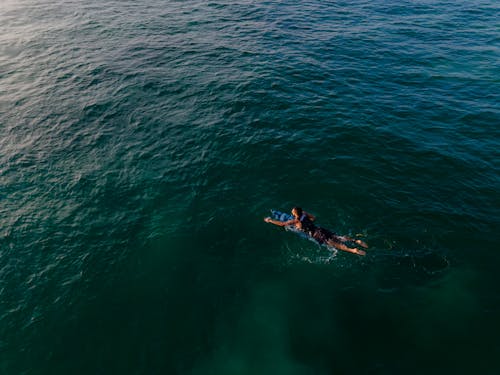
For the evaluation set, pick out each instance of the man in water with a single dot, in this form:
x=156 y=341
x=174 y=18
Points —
x=303 y=221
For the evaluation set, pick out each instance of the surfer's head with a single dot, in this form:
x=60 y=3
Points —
x=297 y=212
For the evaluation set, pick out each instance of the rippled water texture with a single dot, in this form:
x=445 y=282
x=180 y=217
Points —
x=142 y=143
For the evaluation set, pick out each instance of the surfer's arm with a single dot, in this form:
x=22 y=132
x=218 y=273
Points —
x=280 y=223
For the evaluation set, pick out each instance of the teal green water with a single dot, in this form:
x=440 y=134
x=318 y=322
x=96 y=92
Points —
x=141 y=145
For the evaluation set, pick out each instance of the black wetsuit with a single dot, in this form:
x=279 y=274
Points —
x=321 y=235
x=306 y=224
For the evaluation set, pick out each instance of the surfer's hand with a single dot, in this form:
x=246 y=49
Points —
x=267 y=219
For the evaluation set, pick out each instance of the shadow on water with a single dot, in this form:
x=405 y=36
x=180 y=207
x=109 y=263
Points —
x=338 y=314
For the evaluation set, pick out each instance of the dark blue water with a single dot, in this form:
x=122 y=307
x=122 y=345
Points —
x=141 y=145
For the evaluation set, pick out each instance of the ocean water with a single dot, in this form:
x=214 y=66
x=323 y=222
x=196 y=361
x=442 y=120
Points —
x=143 y=143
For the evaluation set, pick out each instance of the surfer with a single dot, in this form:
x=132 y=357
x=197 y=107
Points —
x=303 y=221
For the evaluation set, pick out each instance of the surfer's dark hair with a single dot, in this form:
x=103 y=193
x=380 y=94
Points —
x=298 y=209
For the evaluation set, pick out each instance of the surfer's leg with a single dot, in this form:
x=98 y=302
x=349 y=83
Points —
x=361 y=243
x=340 y=246
x=344 y=239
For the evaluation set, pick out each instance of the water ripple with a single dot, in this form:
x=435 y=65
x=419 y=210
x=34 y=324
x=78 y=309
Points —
x=181 y=123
